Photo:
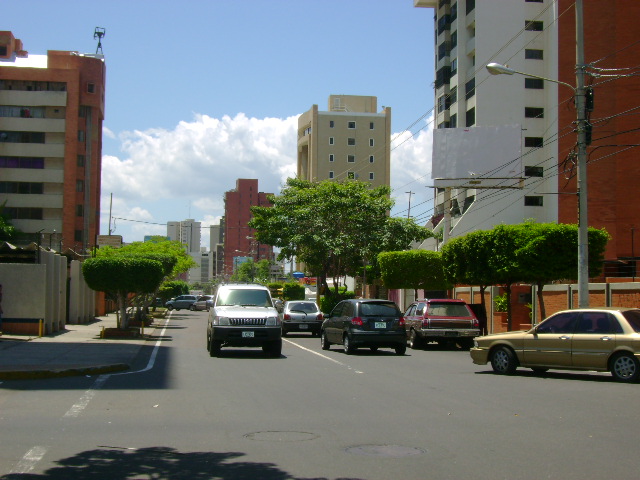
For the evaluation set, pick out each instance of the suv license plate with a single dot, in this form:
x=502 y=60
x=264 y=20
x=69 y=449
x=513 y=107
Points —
x=380 y=325
x=247 y=334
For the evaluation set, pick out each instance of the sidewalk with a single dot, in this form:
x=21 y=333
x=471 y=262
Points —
x=77 y=350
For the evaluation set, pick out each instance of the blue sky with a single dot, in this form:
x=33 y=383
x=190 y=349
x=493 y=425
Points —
x=200 y=93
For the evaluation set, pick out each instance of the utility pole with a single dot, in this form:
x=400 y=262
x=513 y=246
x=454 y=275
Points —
x=583 y=219
x=409 y=210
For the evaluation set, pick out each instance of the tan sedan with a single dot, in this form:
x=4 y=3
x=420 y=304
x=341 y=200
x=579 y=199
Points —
x=596 y=339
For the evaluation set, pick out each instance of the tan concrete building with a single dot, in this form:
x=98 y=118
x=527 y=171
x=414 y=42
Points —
x=350 y=140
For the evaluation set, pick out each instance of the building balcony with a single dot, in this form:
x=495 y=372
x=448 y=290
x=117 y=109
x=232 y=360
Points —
x=32 y=149
x=33 y=99
x=19 y=124
x=471 y=46
x=426 y=3
x=33 y=175
x=34 y=200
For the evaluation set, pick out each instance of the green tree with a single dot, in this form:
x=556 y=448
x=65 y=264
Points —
x=417 y=269
x=333 y=227
x=7 y=230
x=121 y=276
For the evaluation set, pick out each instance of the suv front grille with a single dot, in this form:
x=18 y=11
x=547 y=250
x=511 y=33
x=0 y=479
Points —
x=247 y=321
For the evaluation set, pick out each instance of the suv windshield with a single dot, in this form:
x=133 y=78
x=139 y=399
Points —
x=448 y=310
x=246 y=297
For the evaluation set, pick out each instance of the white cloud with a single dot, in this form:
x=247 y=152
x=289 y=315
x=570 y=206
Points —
x=166 y=175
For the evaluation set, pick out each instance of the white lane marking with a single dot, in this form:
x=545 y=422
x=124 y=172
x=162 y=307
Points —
x=322 y=355
x=30 y=459
x=76 y=409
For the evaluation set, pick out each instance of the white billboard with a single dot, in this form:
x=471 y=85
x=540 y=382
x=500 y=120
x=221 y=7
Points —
x=477 y=151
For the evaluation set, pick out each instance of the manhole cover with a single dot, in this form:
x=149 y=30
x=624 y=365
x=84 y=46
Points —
x=281 y=436
x=385 y=451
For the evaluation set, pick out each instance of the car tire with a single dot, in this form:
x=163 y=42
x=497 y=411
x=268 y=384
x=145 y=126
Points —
x=215 y=346
x=169 y=307
x=465 y=343
x=415 y=342
x=284 y=333
x=503 y=361
x=374 y=348
x=401 y=349
x=625 y=368
x=192 y=308
x=348 y=346
x=324 y=343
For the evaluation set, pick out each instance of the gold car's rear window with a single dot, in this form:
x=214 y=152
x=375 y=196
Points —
x=633 y=317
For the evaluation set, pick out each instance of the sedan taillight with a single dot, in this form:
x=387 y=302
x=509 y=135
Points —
x=425 y=323
x=319 y=316
x=357 y=321
x=287 y=316
x=401 y=321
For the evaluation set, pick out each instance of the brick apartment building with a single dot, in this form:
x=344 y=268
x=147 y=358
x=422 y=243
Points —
x=238 y=236
x=51 y=114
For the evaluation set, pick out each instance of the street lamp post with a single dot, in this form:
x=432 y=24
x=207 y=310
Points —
x=580 y=97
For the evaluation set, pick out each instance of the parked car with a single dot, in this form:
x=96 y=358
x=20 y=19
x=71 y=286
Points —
x=599 y=339
x=443 y=320
x=301 y=316
x=243 y=315
x=180 y=302
x=364 y=323
x=204 y=302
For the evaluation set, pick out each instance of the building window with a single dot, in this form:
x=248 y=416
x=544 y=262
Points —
x=533 y=142
x=533 y=54
x=536 y=83
x=331 y=174
x=91 y=87
x=351 y=141
x=371 y=142
x=443 y=103
x=84 y=111
x=453 y=121
x=331 y=157
x=471 y=4
x=351 y=158
x=81 y=161
x=77 y=236
x=330 y=140
x=533 y=171
x=81 y=135
x=331 y=123
x=533 y=112
x=351 y=125
x=371 y=159
x=371 y=176
x=453 y=95
x=79 y=186
x=471 y=117
x=454 y=11
x=531 y=201
x=470 y=89
x=454 y=66
x=23 y=188
x=533 y=25
x=79 y=211
x=22 y=162
x=533 y=1
x=454 y=40
x=371 y=125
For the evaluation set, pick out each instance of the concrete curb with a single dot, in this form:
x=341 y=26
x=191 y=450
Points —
x=62 y=371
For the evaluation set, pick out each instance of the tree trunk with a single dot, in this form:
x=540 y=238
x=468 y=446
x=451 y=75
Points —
x=543 y=312
x=507 y=289
x=122 y=304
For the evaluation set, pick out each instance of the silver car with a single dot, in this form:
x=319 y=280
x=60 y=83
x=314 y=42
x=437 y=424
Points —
x=204 y=302
x=301 y=316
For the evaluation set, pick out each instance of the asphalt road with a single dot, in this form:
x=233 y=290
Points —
x=312 y=414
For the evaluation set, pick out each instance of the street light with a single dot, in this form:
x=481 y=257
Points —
x=580 y=96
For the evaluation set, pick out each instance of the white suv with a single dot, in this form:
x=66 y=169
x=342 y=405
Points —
x=244 y=316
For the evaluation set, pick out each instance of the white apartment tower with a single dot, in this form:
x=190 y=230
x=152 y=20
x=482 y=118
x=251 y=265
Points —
x=349 y=141
x=186 y=232
x=495 y=131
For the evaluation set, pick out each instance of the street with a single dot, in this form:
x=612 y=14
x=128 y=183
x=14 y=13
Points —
x=314 y=414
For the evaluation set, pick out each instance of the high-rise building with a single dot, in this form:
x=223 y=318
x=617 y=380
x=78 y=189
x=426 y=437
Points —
x=186 y=232
x=51 y=113
x=349 y=141
x=537 y=38
x=239 y=241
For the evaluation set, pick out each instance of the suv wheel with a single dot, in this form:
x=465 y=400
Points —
x=170 y=307
x=273 y=349
x=215 y=346
x=324 y=343
x=401 y=349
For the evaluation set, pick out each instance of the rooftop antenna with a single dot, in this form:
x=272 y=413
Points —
x=99 y=33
